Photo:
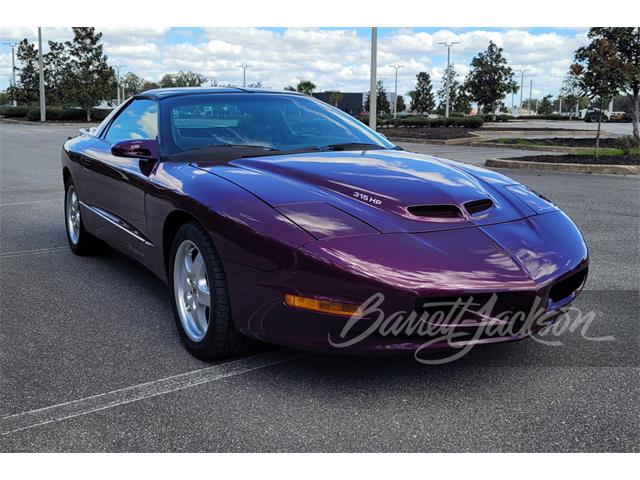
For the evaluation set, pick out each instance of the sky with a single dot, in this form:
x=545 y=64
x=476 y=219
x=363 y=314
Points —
x=333 y=58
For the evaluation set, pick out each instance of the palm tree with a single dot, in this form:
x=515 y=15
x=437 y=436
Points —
x=306 y=86
x=335 y=98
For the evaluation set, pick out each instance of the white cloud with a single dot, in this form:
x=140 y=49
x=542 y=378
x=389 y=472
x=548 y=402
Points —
x=331 y=58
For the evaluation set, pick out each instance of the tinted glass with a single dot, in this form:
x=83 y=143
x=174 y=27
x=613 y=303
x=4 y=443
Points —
x=283 y=122
x=139 y=120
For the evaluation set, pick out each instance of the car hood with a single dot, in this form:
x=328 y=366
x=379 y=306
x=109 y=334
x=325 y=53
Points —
x=390 y=190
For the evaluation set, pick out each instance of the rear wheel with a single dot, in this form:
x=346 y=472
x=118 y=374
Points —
x=200 y=296
x=80 y=241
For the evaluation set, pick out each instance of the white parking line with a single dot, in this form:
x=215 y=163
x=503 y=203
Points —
x=84 y=406
x=30 y=202
x=17 y=253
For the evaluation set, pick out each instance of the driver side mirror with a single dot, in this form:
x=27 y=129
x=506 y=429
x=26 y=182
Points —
x=142 y=149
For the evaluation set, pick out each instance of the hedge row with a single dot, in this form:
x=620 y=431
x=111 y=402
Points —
x=54 y=113
x=554 y=116
x=426 y=122
x=14 y=112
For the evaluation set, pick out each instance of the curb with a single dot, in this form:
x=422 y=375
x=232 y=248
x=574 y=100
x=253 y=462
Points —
x=563 y=167
x=540 y=148
x=49 y=123
x=452 y=141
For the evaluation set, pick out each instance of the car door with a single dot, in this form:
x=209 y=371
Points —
x=114 y=187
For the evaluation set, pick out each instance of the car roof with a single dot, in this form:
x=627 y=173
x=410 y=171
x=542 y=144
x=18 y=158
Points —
x=160 y=93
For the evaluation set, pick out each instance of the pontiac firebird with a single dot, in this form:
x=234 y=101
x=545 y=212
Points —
x=274 y=216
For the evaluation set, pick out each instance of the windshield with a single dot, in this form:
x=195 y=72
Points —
x=261 y=120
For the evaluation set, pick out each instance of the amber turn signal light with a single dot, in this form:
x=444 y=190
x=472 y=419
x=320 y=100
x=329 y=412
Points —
x=322 y=306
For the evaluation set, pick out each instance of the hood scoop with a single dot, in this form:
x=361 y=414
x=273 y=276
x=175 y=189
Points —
x=436 y=212
x=478 y=206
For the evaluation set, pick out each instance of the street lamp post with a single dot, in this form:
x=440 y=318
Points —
x=395 y=102
x=244 y=74
x=13 y=70
x=521 y=88
x=43 y=108
x=373 y=107
x=117 y=67
x=448 y=75
x=530 y=94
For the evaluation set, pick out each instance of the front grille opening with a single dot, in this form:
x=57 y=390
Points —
x=478 y=206
x=435 y=211
x=566 y=287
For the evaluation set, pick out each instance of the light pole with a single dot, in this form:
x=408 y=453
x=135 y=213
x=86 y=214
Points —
x=395 y=103
x=13 y=69
x=448 y=75
x=117 y=67
x=521 y=88
x=560 y=105
x=373 y=106
x=244 y=74
x=530 y=94
x=43 y=108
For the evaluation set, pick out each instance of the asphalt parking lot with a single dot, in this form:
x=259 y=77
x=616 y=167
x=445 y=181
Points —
x=90 y=359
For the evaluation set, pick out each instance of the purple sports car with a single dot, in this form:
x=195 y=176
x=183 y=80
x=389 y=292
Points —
x=274 y=216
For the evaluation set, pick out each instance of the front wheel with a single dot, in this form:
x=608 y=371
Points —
x=80 y=241
x=200 y=297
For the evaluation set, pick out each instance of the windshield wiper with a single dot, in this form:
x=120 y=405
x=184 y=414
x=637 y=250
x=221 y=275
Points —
x=232 y=145
x=348 y=145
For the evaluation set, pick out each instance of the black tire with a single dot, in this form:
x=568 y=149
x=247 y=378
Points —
x=221 y=339
x=86 y=243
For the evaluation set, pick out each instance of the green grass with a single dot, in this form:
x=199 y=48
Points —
x=608 y=152
x=518 y=141
x=605 y=152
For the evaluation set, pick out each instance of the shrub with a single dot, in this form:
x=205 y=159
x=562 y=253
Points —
x=14 y=112
x=553 y=116
x=73 y=114
x=626 y=143
x=53 y=113
x=416 y=121
x=99 y=114
x=502 y=117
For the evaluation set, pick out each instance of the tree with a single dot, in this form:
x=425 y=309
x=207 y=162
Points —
x=462 y=102
x=182 y=79
x=132 y=83
x=490 y=78
x=334 y=98
x=571 y=99
x=545 y=107
x=89 y=79
x=400 y=105
x=441 y=94
x=56 y=71
x=598 y=69
x=26 y=89
x=422 y=100
x=306 y=87
x=149 y=85
x=290 y=88
x=627 y=43
x=382 y=102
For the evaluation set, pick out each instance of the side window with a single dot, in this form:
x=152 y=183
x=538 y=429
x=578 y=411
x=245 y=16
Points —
x=138 y=121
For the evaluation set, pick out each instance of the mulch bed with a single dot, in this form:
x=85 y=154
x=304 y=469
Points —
x=582 y=159
x=445 y=133
x=565 y=142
